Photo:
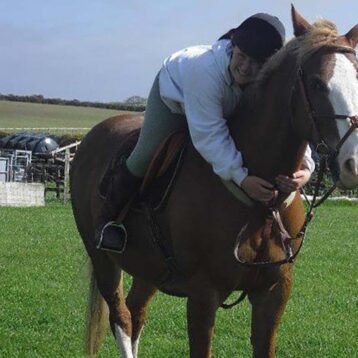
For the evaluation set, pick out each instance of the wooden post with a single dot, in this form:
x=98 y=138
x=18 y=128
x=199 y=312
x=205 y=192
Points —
x=66 y=182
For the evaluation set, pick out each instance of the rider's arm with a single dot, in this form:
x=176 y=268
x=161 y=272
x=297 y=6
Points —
x=203 y=96
x=300 y=177
x=308 y=162
x=203 y=100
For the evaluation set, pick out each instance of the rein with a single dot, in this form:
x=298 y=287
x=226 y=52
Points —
x=274 y=214
x=327 y=154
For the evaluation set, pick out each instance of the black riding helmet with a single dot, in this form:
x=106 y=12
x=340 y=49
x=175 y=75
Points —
x=259 y=36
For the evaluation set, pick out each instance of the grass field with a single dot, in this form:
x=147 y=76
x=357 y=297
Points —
x=44 y=291
x=32 y=115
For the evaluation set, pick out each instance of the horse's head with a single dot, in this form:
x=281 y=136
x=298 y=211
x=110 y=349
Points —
x=325 y=95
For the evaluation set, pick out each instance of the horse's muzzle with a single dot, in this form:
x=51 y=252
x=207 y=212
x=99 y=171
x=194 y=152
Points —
x=348 y=177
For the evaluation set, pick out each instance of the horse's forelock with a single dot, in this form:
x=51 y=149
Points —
x=323 y=33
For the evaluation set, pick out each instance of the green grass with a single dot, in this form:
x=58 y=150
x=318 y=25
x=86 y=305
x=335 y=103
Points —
x=32 y=115
x=44 y=291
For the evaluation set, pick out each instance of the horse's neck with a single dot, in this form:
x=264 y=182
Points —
x=264 y=134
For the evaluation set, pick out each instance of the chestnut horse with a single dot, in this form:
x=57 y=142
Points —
x=306 y=92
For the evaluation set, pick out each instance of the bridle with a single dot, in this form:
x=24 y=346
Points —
x=322 y=146
x=326 y=152
x=327 y=155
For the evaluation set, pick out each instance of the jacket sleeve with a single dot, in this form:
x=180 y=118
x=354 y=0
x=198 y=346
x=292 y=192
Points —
x=308 y=162
x=203 y=98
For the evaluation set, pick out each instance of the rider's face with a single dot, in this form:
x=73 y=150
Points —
x=243 y=68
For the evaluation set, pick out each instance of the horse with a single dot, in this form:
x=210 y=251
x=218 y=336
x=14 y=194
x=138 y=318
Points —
x=307 y=92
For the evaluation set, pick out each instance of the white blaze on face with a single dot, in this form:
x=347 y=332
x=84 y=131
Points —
x=343 y=95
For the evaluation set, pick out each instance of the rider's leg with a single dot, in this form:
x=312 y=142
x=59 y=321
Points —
x=158 y=123
x=126 y=177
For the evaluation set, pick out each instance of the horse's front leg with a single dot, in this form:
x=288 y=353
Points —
x=202 y=305
x=268 y=306
x=137 y=302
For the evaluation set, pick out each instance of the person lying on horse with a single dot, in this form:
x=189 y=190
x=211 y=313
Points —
x=200 y=87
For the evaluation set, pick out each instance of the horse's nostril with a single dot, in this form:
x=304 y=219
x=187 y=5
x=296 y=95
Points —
x=351 y=166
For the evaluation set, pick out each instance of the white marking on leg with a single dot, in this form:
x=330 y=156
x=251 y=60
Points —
x=343 y=87
x=124 y=342
x=135 y=345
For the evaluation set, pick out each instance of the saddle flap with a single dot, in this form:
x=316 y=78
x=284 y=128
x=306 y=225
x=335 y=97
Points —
x=164 y=157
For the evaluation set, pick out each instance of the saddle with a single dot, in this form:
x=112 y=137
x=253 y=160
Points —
x=154 y=192
x=163 y=169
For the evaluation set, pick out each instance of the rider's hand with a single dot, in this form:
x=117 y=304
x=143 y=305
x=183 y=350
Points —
x=258 y=189
x=298 y=180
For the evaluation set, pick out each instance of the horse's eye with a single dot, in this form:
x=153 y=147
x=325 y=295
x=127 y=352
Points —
x=317 y=84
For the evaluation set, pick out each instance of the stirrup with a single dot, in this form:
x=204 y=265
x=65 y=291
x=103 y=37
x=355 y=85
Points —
x=121 y=235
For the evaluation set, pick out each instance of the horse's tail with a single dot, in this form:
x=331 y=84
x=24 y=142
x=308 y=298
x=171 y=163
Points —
x=97 y=318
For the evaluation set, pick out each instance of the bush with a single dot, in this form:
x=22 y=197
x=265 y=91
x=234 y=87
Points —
x=67 y=139
x=3 y=134
x=132 y=106
x=326 y=184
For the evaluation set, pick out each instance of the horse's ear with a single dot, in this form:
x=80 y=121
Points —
x=300 y=25
x=352 y=36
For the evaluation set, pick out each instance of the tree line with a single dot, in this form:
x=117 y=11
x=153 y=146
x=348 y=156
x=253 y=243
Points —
x=134 y=103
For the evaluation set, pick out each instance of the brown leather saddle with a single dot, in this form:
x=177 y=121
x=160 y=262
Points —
x=162 y=171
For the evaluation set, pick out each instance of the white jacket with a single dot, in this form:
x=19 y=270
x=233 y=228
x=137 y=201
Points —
x=196 y=82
